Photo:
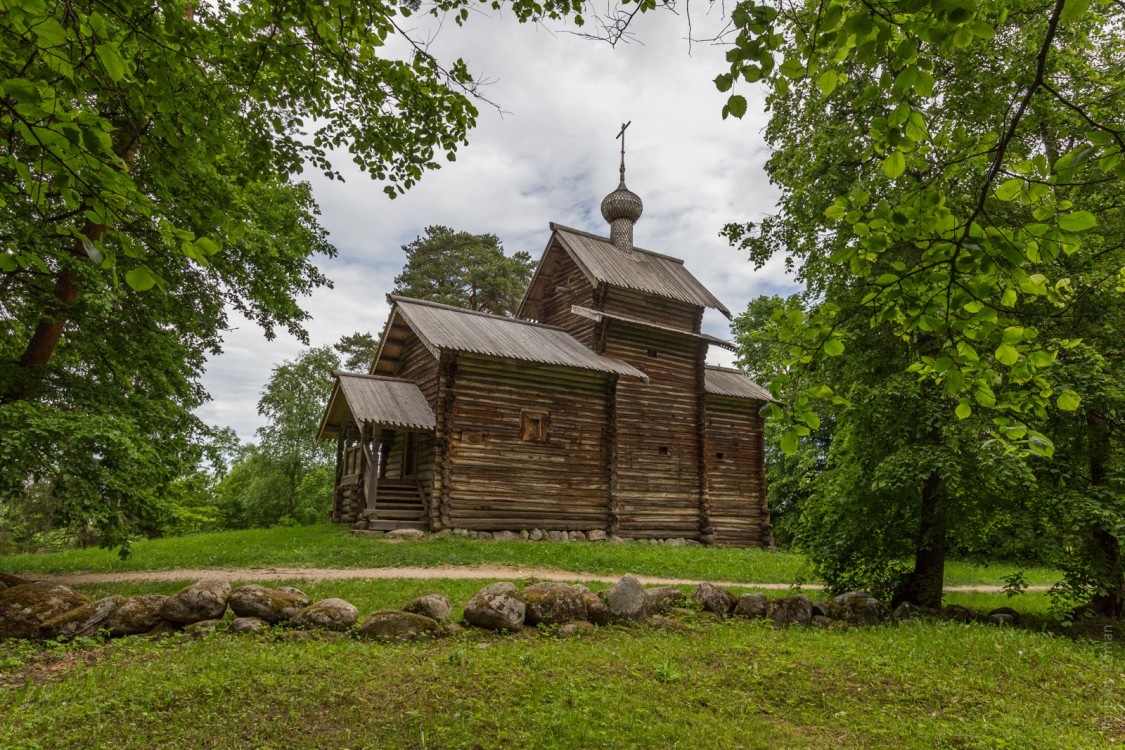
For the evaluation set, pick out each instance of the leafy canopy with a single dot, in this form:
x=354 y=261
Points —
x=981 y=140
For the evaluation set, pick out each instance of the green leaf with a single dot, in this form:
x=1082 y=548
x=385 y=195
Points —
x=833 y=347
x=964 y=410
x=1078 y=221
x=737 y=105
x=1007 y=354
x=1041 y=445
x=789 y=442
x=111 y=60
x=723 y=82
x=835 y=212
x=1073 y=9
x=140 y=278
x=827 y=82
x=1068 y=400
x=894 y=165
x=1012 y=334
x=1009 y=189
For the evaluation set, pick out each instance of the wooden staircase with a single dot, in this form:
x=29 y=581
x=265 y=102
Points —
x=398 y=505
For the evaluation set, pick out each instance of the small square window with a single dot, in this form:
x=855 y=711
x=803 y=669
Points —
x=719 y=455
x=663 y=450
x=534 y=426
x=652 y=353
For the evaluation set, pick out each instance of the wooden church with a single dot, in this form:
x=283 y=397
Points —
x=592 y=410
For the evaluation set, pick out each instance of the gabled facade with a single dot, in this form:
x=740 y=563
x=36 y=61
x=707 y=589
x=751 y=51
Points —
x=593 y=409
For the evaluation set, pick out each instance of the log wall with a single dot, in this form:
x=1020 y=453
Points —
x=417 y=364
x=566 y=285
x=657 y=492
x=653 y=309
x=735 y=472
x=497 y=479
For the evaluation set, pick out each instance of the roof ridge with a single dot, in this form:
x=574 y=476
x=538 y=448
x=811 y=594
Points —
x=396 y=298
x=555 y=227
x=726 y=369
x=343 y=374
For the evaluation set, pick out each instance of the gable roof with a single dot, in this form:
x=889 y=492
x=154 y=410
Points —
x=373 y=399
x=455 y=329
x=640 y=270
x=724 y=381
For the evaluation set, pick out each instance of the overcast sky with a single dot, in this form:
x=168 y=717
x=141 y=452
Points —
x=549 y=156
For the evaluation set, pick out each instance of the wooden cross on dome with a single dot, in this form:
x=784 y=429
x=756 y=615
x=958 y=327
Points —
x=621 y=135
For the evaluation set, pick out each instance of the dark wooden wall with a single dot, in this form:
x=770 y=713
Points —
x=736 y=481
x=657 y=494
x=417 y=364
x=566 y=285
x=496 y=478
x=652 y=309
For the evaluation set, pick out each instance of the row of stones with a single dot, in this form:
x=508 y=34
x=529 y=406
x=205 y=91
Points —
x=43 y=610
x=537 y=535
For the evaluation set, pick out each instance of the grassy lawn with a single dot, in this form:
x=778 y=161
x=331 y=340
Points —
x=737 y=684
x=329 y=547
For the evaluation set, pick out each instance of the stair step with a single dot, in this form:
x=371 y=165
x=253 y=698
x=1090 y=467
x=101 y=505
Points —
x=392 y=525
x=411 y=515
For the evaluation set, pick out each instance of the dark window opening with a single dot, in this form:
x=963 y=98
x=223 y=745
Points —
x=652 y=353
x=719 y=455
x=663 y=450
x=534 y=426
x=410 y=455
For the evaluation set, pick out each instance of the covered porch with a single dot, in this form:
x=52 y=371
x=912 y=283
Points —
x=384 y=431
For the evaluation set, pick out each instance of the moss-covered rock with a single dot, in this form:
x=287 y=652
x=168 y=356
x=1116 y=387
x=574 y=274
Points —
x=790 y=610
x=392 y=625
x=858 y=608
x=433 y=606
x=712 y=598
x=327 y=614
x=205 y=600
x=136 y=615
x=24 y=608
x=552 y=604
x=272 y=605
x=662 y=600
x=82 y=621
x=496 y=607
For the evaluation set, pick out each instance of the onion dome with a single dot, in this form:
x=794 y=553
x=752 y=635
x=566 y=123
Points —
x=621 y=209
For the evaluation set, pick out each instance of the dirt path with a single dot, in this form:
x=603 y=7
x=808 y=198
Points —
x=440 y=572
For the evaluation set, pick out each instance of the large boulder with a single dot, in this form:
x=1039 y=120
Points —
x=626 y=600
x=711 y=598
x=25 y=607
x=390 y=625
x=272 y=605
x=752 y=605
x=327 y=614
x=84 y=621
x=496 y=607
x=660 y=601
x=433 y=606
x=552 y=604
x=136 y=615
x=790 y=610
x=205 y=600
x=858 y=608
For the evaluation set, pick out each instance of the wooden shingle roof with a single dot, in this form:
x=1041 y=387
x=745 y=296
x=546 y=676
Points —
x=373 y=399
x=723 y=381
x=640 y=270
x=441 y=327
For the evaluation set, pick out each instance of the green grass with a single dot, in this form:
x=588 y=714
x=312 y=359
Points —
x=737 y=684
x=330 y=547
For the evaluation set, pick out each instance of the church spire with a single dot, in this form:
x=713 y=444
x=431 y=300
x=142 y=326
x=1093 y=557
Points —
x=622 y=207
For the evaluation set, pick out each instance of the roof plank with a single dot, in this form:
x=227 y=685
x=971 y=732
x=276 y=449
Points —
x=724 y=381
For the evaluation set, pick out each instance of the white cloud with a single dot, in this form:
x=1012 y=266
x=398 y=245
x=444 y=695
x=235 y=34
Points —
x=551 y=156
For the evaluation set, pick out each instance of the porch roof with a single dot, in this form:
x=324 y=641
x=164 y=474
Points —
x=374 y=399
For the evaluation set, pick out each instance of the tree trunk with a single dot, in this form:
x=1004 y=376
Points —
x=37 y=355
x=925 y=583
x=1110 y=601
